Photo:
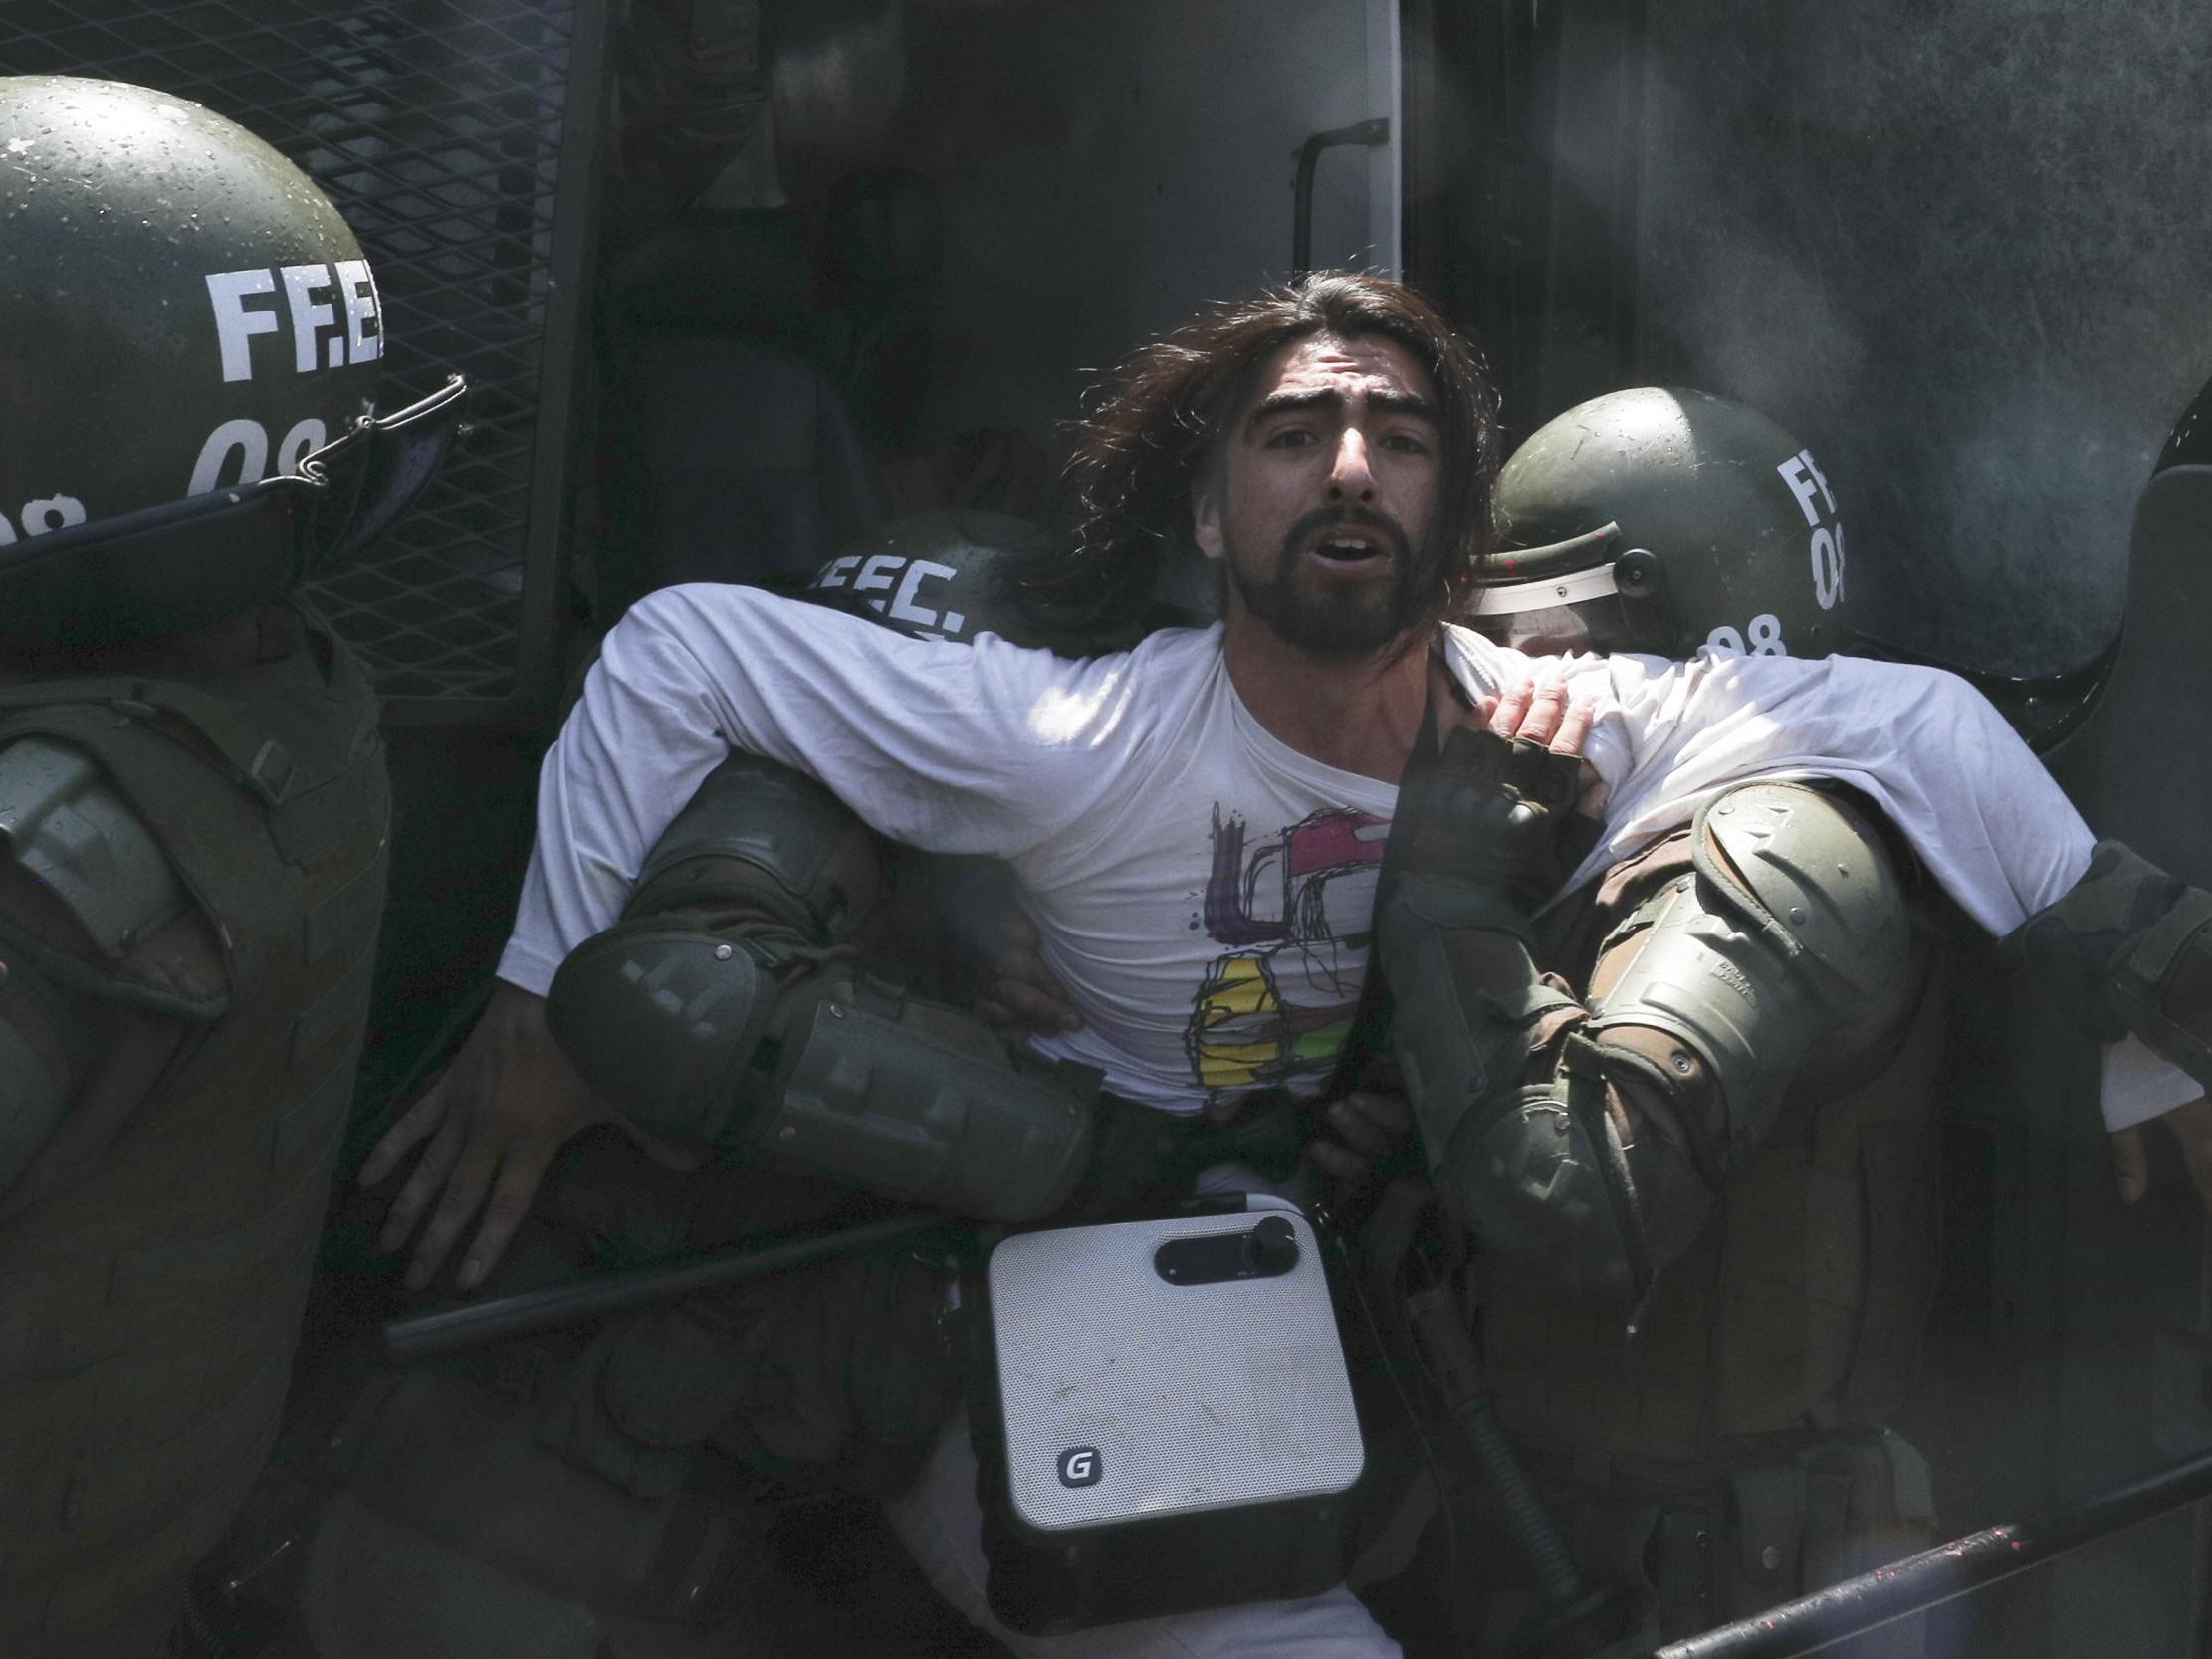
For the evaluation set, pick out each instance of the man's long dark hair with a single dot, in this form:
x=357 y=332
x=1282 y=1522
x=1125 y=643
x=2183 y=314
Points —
x=1149 y=440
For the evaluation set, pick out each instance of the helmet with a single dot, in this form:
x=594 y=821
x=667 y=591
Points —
x=189 y=347
x=1665 y=521
x=944 y=574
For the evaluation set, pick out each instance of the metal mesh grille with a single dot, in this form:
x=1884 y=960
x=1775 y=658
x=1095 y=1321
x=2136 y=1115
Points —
x=436 y=128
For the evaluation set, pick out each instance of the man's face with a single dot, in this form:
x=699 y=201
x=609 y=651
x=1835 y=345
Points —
x=1323 y=495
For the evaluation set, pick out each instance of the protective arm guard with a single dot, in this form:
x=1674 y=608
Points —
x=915 y=1100
x=1467 y=1006
x=1537 y=1169
x=1792 y=927
x=723 y=1010
x=1474 y=845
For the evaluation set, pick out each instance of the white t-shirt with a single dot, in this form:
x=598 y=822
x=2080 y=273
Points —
x=1203 y=890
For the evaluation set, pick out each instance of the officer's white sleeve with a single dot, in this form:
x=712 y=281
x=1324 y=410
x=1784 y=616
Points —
x=2137 y=1086
x=975 y=749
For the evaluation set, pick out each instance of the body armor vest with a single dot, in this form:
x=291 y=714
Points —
x=149 y=1304
x=1799 y=1306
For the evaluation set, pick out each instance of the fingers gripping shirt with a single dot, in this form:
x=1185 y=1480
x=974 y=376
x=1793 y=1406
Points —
x=1205 y=891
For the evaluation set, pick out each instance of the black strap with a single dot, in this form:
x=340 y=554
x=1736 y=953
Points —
x=1370 y=1028
x=261 y=765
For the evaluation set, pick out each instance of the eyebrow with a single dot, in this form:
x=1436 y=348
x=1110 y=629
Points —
x=1390 y=402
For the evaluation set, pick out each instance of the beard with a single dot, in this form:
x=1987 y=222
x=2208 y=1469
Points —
x=1333 y=619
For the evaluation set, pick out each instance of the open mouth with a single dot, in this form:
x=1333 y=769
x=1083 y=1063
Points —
x=1348 y=551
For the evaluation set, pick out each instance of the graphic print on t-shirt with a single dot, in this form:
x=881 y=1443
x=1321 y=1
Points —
x=1295 y=913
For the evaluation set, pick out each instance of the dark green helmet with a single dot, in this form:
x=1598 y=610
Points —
x=1665 y=521
x=184 y=316
x=946 y=574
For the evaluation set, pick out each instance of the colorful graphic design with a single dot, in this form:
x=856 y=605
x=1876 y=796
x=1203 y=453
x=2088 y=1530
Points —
x=1296 y=913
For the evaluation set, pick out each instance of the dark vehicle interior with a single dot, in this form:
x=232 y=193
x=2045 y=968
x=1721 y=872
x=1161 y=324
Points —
x=738 y=280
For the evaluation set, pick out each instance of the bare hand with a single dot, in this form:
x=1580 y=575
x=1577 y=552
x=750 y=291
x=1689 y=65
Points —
x=1020 y=995
x=493 y=1121
x=2191 y=1124
x=1359 y=1132
x=1540 y=709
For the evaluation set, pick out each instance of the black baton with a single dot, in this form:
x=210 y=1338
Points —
x=576 y=1300
x=1933 y=1577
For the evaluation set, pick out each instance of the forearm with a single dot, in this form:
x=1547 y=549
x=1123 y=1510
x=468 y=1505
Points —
x=1588 y=1139
x=731 y=1009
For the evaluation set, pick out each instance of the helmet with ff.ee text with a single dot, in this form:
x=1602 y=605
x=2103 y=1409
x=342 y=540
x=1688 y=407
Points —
x=1666 y=521
x=190 y=341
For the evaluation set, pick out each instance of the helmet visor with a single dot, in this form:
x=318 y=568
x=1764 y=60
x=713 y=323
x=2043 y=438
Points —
x=1582 y=594
x=187 y=562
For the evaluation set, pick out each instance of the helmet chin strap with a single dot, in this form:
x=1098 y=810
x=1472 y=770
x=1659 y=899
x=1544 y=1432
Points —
x=182 y=564
x=374 y=472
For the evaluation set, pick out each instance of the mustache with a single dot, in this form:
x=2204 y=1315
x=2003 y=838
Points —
x=1348 y=514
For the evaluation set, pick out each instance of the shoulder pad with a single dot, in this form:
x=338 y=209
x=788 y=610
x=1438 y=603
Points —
x=66 y=824
x=40 y=1042
x=1799 y=865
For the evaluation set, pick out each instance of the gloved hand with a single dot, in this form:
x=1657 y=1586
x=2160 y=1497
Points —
x=1495 y=808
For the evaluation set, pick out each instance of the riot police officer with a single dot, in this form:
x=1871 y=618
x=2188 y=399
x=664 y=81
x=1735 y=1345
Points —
x=192 y=822
x=1689 y=1109
x=1467 y=1055
x=776 y=995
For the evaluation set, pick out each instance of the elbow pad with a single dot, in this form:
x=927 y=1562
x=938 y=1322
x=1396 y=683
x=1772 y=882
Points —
x=662 y=1013
x=663 y=1019
x=694 y=1042
x=1793 y=926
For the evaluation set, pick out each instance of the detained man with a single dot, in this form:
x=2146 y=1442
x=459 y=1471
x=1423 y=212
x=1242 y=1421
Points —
x=1331 y=445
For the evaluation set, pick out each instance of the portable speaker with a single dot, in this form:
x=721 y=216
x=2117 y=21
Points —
x=1164 y=1420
